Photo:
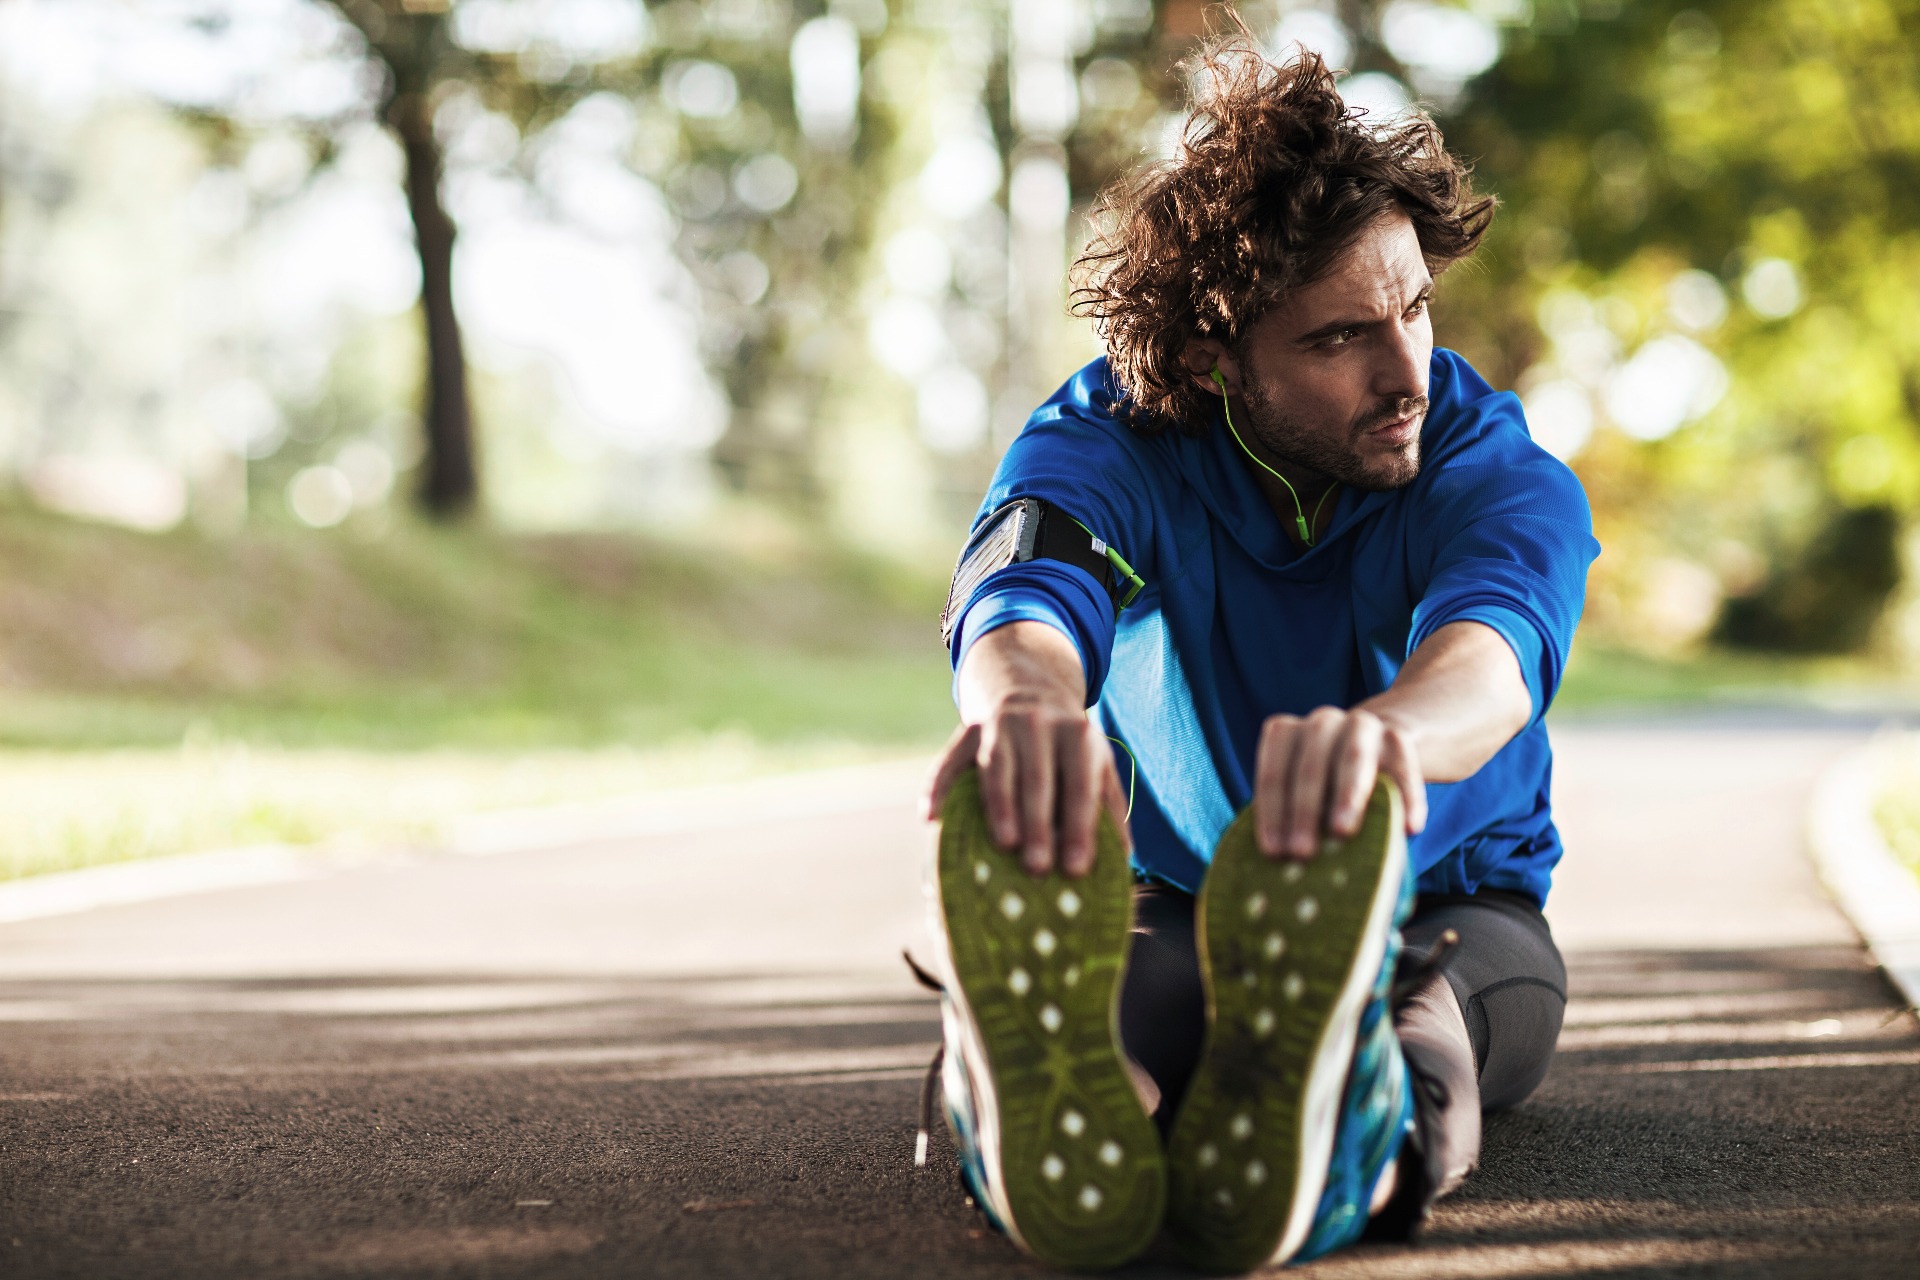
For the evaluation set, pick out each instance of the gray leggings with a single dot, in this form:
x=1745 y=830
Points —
x=1506 y=973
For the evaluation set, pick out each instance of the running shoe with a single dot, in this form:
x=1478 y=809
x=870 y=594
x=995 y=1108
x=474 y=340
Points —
x=1052 y=1139
x=1300 y=1102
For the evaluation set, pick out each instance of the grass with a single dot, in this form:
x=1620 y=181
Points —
x=1599 y=677
x=467 y=639
x=175 y=692
x=63 y=810
x=1896 y=805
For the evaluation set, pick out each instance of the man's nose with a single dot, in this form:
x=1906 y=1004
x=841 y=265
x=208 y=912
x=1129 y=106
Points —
x=1401 y=373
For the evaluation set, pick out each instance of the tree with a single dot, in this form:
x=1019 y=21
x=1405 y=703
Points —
x=775 y=198
x=410 y=39
x=417 y=55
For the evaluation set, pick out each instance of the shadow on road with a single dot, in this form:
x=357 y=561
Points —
x=1724 y=1113
x=1714 y=1112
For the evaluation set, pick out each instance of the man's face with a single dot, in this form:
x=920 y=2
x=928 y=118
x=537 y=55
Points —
x=1334 y=380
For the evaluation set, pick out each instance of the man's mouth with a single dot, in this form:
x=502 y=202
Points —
x=1398 y=431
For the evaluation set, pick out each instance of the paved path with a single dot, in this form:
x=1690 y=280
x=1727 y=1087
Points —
x=695 y=1055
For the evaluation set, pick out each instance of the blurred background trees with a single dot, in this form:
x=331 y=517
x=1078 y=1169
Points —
x=795 y=268
x=1702 y=282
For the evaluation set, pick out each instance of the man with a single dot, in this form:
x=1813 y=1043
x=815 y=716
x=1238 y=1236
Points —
x=1302 y=567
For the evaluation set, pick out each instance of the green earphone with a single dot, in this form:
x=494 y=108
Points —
x=1299 y=513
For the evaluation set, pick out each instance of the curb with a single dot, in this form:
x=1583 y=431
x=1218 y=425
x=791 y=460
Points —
x=1878 y=895
x=783 y=797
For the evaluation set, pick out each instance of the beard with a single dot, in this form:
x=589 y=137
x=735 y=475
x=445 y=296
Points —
x=1340 y=460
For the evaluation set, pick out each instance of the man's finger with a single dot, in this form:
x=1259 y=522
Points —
x=999 y=756
x=1079 y=789
x=1307 y=787
x=1279 y=738
x=1399 y=761
x=955 y=759
x=1037 y=779
x=1356 y=763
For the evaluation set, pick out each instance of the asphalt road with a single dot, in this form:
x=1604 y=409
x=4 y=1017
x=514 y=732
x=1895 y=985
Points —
x=696 y=1054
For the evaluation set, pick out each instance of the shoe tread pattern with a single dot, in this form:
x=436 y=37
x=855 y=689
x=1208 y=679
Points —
x=1081 y=1161
x=1234 y=1154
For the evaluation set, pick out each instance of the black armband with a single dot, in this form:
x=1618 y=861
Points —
x=1034 y=529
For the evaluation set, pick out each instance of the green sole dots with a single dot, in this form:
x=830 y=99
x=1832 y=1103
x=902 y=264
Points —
x=1278 y=940
x=1040 y=960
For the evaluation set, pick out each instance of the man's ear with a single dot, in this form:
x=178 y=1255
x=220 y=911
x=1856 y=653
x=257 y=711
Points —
x=1203 y=356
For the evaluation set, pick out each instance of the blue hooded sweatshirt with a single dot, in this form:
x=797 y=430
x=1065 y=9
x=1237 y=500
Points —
x=1236 y=623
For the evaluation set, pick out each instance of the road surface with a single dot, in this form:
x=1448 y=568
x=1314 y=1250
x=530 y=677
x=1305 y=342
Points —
x=697 y=1054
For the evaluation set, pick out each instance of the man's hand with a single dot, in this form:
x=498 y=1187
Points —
x=1458 y=700
x=1315 y=772
x=1045 y=769
x=1044 y=777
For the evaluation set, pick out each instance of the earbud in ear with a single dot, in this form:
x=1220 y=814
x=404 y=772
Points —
x=1219 y=379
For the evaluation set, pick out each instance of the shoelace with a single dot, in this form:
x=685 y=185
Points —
x=1435 y=961
x=932 y=1079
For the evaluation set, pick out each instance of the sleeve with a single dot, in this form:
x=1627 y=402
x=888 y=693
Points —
x=1072 y=453
x=1510 y=535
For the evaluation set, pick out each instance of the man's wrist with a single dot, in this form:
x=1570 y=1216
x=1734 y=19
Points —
x=1395 y=721
x=1022 y=664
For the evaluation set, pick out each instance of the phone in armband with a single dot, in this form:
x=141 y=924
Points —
x=1035 y=529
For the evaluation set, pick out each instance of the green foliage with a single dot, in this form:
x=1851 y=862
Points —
x=1826 y=599
x=779 y=275
x=1774 y=147
x=1896 y=801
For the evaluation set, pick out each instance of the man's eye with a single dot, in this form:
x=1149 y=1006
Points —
x=1419 y=305
x=1340 y=339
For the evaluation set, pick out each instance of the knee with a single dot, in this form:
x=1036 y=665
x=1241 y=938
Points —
x=1515 y=1026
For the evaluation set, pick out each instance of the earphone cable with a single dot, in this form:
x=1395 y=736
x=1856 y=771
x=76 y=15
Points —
x=1299 y=512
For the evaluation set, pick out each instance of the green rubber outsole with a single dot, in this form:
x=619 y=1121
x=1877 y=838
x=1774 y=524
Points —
x=1278 y=942
x=1039 y=962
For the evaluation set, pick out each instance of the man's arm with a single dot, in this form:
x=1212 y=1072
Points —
x=1044 y=766
x=1459 y=699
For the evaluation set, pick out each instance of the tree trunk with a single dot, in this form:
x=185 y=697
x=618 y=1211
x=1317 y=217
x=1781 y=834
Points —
x=449 y=484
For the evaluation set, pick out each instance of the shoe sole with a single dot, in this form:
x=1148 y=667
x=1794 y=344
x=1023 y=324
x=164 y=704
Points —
x=1074 y=1165
x=1283 y=955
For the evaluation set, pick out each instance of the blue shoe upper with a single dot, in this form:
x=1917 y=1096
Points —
x=1376 y=1112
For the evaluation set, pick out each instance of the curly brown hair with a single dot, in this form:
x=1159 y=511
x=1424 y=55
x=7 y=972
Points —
x=1275 y=177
